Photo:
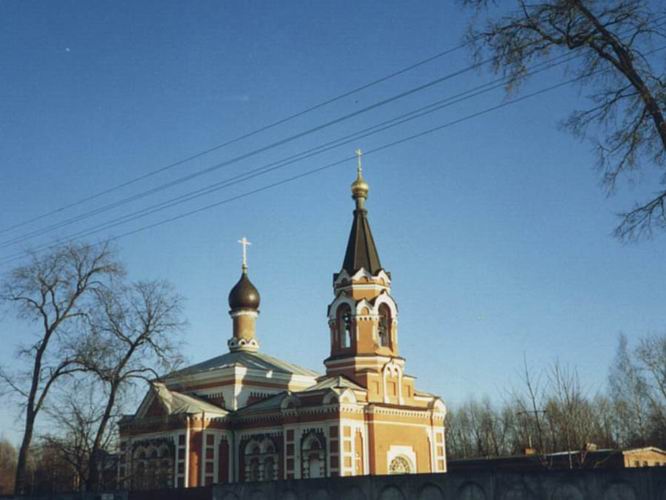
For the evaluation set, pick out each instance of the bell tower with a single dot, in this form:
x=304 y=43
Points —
x=363 y=317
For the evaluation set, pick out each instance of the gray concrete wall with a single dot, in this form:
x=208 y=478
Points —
x=638 y=484
x=629 y=484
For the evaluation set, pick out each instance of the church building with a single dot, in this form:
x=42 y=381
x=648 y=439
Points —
x=247 y=416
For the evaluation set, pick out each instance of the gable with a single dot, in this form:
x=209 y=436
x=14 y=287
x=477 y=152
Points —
x=155 y=409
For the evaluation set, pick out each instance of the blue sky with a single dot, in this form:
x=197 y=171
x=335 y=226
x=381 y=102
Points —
x=496 y=230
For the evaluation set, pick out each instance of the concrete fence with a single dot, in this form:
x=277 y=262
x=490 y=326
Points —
x=628 y=484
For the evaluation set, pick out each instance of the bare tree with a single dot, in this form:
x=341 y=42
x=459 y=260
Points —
x=638 y=389
x=47 y=471
x=51 y=292
x=75 y=415
x=614 y=39
x=7 y=467
x=132 y=338
x=628 y=390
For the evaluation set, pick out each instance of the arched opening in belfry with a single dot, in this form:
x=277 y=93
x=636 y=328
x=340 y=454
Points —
x=344 y=322
x=384 y=326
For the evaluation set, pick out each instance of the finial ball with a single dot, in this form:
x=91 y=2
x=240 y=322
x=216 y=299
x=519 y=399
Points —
x=359 y=187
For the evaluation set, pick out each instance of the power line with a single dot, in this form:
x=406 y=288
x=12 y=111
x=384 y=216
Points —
x=246 y=176
x=110 y=206
x=238 y=138
x=143 y=194
x=253 y=173
x=313 y=171
x=243 y=156
x=393 y=122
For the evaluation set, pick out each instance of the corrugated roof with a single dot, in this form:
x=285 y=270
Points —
x=179 y=403
x=271 y=403
x=251 y=360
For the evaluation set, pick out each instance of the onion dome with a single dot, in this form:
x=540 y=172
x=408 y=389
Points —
x=359 y=187
x=244 y=295
x=361 y=249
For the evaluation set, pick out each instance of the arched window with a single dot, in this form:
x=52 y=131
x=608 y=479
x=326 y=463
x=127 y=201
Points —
x=261 y=459
x=269 y=469
x=140 y=480
x=400 y=465
x=345 y=325
x=384 y=327
x=315 y=467
x=153 y=465
x=313 y=456
x=254 y=470
x=164 y=479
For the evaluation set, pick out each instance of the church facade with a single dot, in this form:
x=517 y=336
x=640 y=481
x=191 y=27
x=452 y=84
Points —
x=247 y=416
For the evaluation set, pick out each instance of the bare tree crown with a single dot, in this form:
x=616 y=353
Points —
x=619 y=59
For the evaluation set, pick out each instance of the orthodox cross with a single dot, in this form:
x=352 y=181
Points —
x=245 y=243
x=359 y=153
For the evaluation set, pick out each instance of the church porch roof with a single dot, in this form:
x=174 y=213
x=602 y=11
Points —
x=336 y=382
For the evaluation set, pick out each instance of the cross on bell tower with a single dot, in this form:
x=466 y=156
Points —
x=363 y=315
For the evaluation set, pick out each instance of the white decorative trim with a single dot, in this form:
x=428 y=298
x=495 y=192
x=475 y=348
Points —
x=186 y=479
x=406 y=452
x=395 y=370
x=376 y=287
x=385 y=298
x=290 y=399
x=361 y=273
x=242 y=344
x=331 y=397
x=347 y=396
x=358 y=361
x=244 y=312
x=337 y=302
x=202 y=452
x=404 y=424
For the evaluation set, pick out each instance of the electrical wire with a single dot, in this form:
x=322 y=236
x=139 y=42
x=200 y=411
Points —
x=385 y=125
x=308 y=172
x=244 y=156
x=280 y=164
x=237 y=139
x=42 y=230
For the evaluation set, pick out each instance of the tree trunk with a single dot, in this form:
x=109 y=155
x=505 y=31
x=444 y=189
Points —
x=21 y=464
x=92 y=482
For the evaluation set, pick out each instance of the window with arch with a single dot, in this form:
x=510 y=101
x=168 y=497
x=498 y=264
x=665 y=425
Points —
x=400 y=465
x=344 y=321
x=165 y=468
x=140 y=479
x=253 y=473
x=313 y=456
x=261 y=460
x=270 y=471
x=153 y=464
x=384 y=326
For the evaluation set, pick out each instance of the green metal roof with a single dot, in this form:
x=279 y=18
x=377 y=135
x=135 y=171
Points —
x=338 y=382
x=178 y=403
x=250 y=360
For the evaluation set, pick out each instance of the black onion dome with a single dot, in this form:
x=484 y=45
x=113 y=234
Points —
x=244 y=295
